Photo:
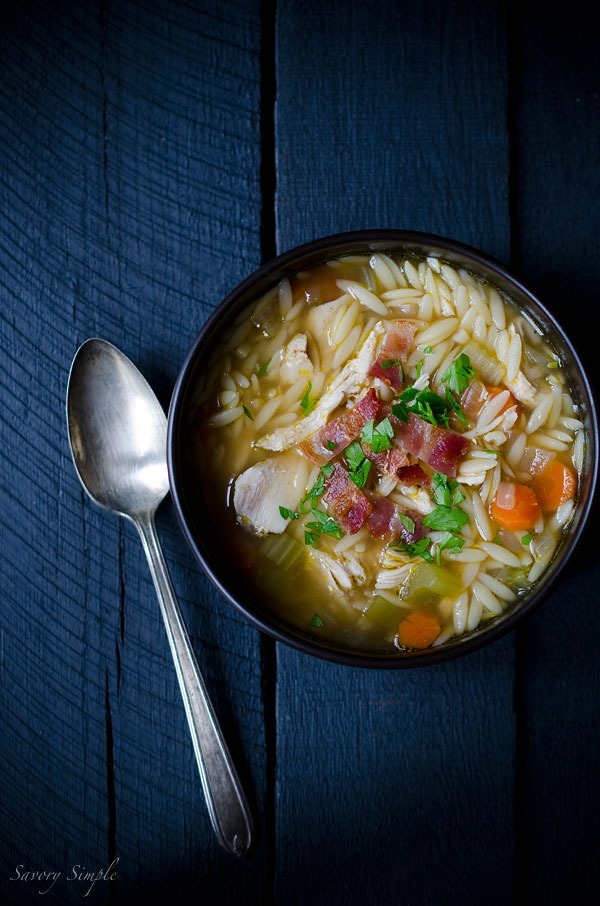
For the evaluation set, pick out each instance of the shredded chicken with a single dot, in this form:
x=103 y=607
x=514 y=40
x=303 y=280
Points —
x=295 y=364
x=263 y=488
x=522 y=389
x=343 y=571
x=353 y=378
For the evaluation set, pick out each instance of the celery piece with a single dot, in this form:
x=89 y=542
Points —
x=385 y=614
x=427 y=582
x=282 y=550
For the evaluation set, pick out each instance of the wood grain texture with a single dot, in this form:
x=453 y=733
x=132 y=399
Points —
x=130 y=204
x=151 y=153
x=391 y=786
x=557 y=127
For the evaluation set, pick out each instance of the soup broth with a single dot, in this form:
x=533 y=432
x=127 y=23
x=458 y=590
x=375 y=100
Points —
x=389 y=449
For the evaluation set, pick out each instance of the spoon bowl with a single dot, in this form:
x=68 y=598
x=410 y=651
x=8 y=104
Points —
x=117 y=431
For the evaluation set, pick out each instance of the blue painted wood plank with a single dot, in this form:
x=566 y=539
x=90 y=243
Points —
x=129 y=205
x=557 y=183
x=394 y=786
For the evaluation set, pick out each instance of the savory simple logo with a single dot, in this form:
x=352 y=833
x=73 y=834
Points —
x=43 y=880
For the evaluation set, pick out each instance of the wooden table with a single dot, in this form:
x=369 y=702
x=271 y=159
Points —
x=152 y=154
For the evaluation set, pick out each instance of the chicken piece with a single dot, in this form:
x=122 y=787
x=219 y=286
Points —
x=263 y=488
x=295 y=363
x=343 y=571
x=352 y=379
x=522 y=389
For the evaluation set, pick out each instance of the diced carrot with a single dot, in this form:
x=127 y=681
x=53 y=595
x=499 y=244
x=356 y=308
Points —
x=511 y=401
x=555 y=484
x=522 y=515
x=317 y=286
x=419 y=630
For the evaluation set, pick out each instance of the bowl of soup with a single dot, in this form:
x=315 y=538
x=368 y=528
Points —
x=382 y=448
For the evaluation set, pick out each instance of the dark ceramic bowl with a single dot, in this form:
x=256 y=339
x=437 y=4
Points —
x=206 y=544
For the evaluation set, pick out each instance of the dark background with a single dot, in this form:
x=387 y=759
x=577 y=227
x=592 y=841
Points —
x=152 y=154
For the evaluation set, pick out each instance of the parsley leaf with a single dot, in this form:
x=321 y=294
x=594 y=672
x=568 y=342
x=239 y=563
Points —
x=330 y=445
x=446 y=492
x=459 y=374
x=323 y=525
x=328 y=469
x=428 y=350
x=288 y=514
x=400 y=410
x=526 y=539
x=446 y=519
x=456 y=406
x=358 y=464
x=306 y=403
x=378 y=437
x=407 y=522
x=263 y=368
x=448 y=541
x=430 y=407
x=317 y=490
x=419 y=368
x=247 y=413
x=416 y=549
x=391 y=363
x=316 y=621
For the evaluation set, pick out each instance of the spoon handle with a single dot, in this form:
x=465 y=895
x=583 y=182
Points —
x=226 y=802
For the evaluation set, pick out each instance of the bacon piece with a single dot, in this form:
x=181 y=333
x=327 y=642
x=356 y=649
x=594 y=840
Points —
x=351 y=507
x=396 y=345
x=389 y=462
x=342 y=430
x=385 y=523
x=440 y=448
x=413 y=474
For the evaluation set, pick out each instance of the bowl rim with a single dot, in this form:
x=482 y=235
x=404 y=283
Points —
x=291 y=260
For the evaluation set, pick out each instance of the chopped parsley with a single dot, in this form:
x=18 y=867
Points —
x=316 y=621
x=318 y=488
x=448 y=541
x=288 y=514
x=378 y=437
x=456 y=378
x=262 y=370
x=306 y=403
x=247 y=413
x=394 y=363
x=330 y=445
x=407 y=522
x=424 y=403
x=526 y=539
x=419 y=368
x=322 y=525
x=446 y=492
x=358 y=464
x=446 y=519
x=456 y=406
x=459 y=374
x=416 y=549
x=428 y=350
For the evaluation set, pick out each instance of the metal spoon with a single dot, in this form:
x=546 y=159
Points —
x=117 y=430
